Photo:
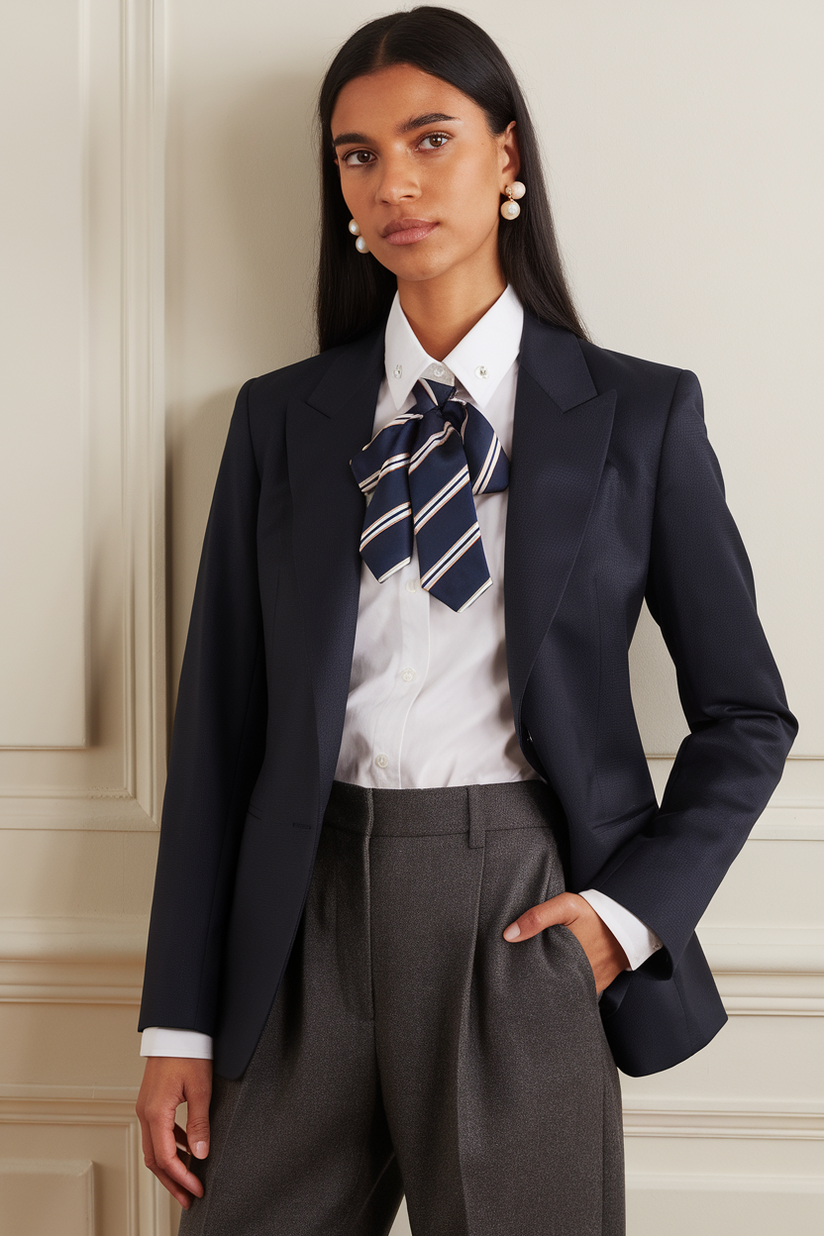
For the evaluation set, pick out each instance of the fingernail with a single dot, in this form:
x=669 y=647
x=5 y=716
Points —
x=201 y=1150
x=512 y=932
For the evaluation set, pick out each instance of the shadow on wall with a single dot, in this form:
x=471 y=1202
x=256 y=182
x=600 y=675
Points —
x=242 y=231
x=242 y=221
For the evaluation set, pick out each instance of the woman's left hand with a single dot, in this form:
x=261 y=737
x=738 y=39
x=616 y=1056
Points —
x=605 y=954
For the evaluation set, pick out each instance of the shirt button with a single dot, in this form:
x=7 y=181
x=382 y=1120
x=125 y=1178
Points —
x=382 y=761
x=411 y=585
x=439 y=371
x=482 y=372
x=398 y=371
x=408 y=675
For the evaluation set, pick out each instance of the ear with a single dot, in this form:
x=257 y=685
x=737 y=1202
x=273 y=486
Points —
x=509 y=153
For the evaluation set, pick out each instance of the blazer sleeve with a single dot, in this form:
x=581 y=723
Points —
x=700 y=591
x=216 y=752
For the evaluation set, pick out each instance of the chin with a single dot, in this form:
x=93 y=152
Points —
x=419 y=267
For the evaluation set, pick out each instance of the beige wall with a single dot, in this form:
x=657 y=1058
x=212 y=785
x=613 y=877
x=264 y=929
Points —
x=683 y=142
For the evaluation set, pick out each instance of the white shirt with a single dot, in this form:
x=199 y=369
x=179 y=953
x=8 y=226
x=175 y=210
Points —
x=429 y=701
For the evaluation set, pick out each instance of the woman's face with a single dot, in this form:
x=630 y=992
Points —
x=422 y=175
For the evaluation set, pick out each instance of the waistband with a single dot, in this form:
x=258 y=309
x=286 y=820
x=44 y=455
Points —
x=472 y=809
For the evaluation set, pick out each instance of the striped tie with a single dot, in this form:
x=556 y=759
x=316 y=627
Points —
x=422 y=471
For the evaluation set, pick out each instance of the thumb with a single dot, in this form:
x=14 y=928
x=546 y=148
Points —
x=197 y=1121
x=560 y=909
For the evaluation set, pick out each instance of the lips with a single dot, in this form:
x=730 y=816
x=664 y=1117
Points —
x=407 y=231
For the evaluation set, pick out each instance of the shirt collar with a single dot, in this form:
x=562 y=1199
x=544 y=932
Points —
x=478 y=362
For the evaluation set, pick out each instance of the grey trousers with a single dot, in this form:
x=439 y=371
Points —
x=412 y=1050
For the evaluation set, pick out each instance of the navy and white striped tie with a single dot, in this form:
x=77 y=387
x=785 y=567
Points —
x=422 y=471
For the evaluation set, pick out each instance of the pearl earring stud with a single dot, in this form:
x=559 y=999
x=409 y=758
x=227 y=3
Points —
x=360 y=243
x=510 y=208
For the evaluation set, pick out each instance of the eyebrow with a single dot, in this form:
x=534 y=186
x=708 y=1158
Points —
x=417 y=122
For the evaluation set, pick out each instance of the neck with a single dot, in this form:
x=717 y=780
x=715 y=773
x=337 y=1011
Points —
x=441 y=314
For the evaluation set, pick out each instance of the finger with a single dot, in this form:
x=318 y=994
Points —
x=182 y=1196
x=166 y=1158
x=560 y=909
x=198 y=1096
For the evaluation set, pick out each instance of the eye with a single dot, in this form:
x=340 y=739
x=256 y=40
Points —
x=358 y=158
x=439 y=140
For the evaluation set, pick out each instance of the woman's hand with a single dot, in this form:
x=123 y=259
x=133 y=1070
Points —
x=167 y=1082
x=605 y=954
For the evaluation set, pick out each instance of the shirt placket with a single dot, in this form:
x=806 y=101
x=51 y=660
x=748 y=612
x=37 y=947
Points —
x=409 y=670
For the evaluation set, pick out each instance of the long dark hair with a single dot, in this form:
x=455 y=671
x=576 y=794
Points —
x=355 y=291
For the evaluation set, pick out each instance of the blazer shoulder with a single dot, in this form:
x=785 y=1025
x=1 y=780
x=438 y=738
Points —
x=268 y=390
x=267 y=397
x=316 y=378
x=630 y=375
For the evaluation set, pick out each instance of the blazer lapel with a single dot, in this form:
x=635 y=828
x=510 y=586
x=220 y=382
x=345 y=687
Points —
x=323 y=434
x=561 y=432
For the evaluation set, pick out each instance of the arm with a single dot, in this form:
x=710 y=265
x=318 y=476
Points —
x=217 y=746
x=216 y=752
x=700 y=591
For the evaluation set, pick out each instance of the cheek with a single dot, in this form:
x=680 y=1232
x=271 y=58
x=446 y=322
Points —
x=474 y=199
x=476 y=214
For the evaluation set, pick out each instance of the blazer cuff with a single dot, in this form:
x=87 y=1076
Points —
x=162 y=1041
x=636 y=939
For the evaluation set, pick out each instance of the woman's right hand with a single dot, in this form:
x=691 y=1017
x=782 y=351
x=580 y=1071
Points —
x=167 y=1082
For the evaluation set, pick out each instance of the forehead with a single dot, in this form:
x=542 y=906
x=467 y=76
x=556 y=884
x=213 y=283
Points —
x=388 y=97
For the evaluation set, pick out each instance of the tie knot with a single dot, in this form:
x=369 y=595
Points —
x=430 y=394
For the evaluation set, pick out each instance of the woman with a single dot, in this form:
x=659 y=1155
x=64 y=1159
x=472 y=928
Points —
x=414 y=891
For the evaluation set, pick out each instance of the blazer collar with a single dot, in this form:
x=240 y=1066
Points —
x=352 y=366
x=554 y=359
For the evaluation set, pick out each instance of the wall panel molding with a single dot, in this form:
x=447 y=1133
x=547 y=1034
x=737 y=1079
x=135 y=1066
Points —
x=143 y=391
x=44 y=388
x=120 y=75
x=681 y=1118
x=56 y=1116
x=38 y=1195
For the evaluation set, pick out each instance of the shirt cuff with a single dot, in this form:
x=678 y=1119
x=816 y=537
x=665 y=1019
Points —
x=161 y=1041
x=634 y=936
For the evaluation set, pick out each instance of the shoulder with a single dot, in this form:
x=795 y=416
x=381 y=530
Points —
x=317 y=380
x=572 y=370
x=263 y=401
x=654 y=401
x=268 y=392
x=647 y=381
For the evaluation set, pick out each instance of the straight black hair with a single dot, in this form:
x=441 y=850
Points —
x=354 y=291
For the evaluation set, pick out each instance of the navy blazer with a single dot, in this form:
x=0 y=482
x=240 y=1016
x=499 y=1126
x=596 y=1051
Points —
x=615 y=495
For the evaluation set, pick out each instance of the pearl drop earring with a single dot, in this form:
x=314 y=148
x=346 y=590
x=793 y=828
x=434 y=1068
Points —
x=510 y=208
x=360 y=243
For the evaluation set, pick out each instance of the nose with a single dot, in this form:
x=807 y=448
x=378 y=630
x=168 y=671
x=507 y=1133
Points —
x=398 y=182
